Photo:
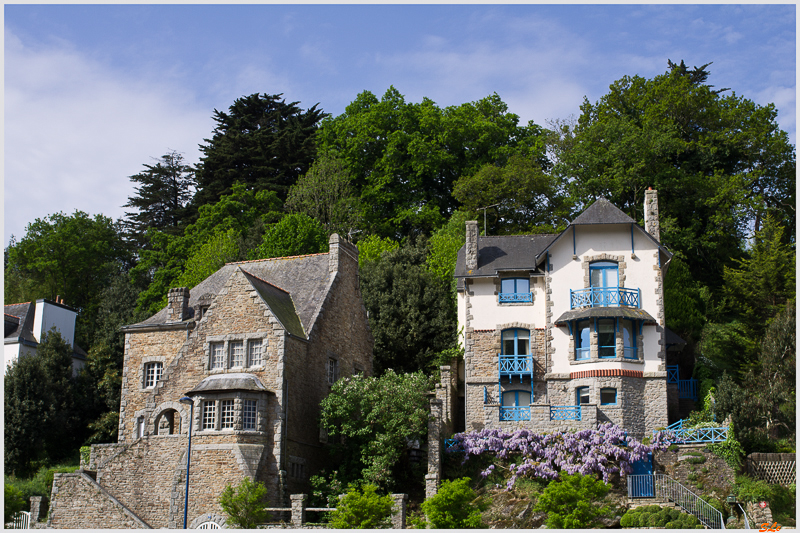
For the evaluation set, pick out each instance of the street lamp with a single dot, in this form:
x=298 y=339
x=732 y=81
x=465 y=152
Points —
x=190 y=402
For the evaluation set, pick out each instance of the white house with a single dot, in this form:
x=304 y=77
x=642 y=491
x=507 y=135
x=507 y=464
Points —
x=26 y=323
x=566 y=331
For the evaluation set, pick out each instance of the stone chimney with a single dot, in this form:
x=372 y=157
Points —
x=472 y=245
x=178 y=306
x=651 y=225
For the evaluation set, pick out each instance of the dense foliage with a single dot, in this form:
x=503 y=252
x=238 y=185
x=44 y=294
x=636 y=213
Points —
x=362 y=509
x=606 y=451
x=244 y=504
x=370 y=423
x=657 y=516
x=573 y=501
x=452 y=506
x=13 y=502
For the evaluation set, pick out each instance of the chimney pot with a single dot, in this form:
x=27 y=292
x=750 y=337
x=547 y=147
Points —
x=651 y=223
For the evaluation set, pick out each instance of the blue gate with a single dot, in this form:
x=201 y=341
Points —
x=642 y=486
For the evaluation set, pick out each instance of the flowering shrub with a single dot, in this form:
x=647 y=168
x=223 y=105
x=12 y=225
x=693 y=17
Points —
x=605 y=451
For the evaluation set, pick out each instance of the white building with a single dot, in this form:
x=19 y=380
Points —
x=26 y=323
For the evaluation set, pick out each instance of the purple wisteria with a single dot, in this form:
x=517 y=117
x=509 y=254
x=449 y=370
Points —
x=605 y=450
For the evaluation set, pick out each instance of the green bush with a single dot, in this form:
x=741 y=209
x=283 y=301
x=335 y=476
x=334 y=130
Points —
x=656 y=516
x=362 y=510
x=781 y=499
x=573 y=501
x=13 y=501
x=245 y=504
x=452 y=506
x=40 y=484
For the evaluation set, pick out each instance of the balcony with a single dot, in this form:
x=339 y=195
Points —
x=515 y=414
x=516 y=365
x=515 y=297
x=605 y=297
x=565 y=412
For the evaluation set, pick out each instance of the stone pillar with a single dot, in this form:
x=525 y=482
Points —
x=36 y=504
x=399 y=511
x=178 y=306
x=333 y=252
x=434 y=449
x=298 y=509
x=472 y=245
x=651 y=224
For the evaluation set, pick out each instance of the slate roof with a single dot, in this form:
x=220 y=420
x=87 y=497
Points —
x=503 y=252
x=228 y=382
x=602 y=212
x=305 y=278
x=280 y=303
x=18 y=322
x=605 y=312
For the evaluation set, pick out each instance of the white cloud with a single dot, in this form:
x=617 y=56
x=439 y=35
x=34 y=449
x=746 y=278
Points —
x=75 y=129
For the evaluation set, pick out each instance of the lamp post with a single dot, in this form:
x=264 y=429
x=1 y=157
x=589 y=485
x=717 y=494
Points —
x=190 y=402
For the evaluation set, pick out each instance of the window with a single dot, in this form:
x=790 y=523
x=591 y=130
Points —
x=629 y=339
x=249 y=414
x=140 y=427
x=517 y=398
x=237 y=353
x=606 y=337
x=227 y=413
x=582 y=396
x=217 y=355
x=515 y=290
x=604 y=274
x=582 y=340
x=608 y=396
x=152 y=373
x=333 y=365
x=515 y=342
x=298 y=470
x=210 y=415
x=255 y=353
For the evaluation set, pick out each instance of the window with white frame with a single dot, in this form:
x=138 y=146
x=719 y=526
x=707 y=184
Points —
x=333 y=366
x=217 y=355
x=210 y=414
x=152 y=373
x=255 y=352
x=237 y=353
x=249 y=414
x=228 y=415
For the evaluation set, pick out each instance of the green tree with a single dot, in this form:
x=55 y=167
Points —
x=12 y=502
x=98 y=395
x=262 y=141
x=160 y=200
x=370 y=421
x=405 y=157
x=326 y=194
x=41 y=421
x=452 y=507
x=364 y=509
x=295 y=234
x=245 y=504
x=71 y=256
x=372 y=247
x=221 y=248
x=443 y=248
x=573 y=502
x=526 y=197
x=719 y=162
x=411 y=311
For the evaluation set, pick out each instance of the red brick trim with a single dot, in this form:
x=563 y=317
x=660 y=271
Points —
x=606 y=373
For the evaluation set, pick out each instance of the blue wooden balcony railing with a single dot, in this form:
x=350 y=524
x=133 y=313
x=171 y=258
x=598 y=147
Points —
x=515 y=414
x=687 y=435
x=516 y=365
x=687 y=388
x=565 y=412
x=605 y=297
x=673 y=374
x=516 y=297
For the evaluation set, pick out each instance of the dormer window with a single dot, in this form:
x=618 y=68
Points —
x=515 y=290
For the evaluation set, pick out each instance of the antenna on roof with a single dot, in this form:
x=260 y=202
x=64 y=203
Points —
x=484 y=216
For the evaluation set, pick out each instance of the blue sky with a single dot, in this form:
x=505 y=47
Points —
x=93 y=92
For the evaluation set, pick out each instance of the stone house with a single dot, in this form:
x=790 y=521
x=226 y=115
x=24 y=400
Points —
x=565 y=330
x=26 y=323
x=256 y=346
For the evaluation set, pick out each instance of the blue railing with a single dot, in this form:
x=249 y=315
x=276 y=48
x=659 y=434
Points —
x=516 y=364
x=673 y=374
x=566 y=412
x=604 y=297
x=516 y=297
x=451 y=445
x=687 y=388
x=515 y=414
x=687 y=435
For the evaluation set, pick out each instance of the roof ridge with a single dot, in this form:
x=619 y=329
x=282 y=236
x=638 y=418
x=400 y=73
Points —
x=20 y=303
x=264 y=281
x=275 y=258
